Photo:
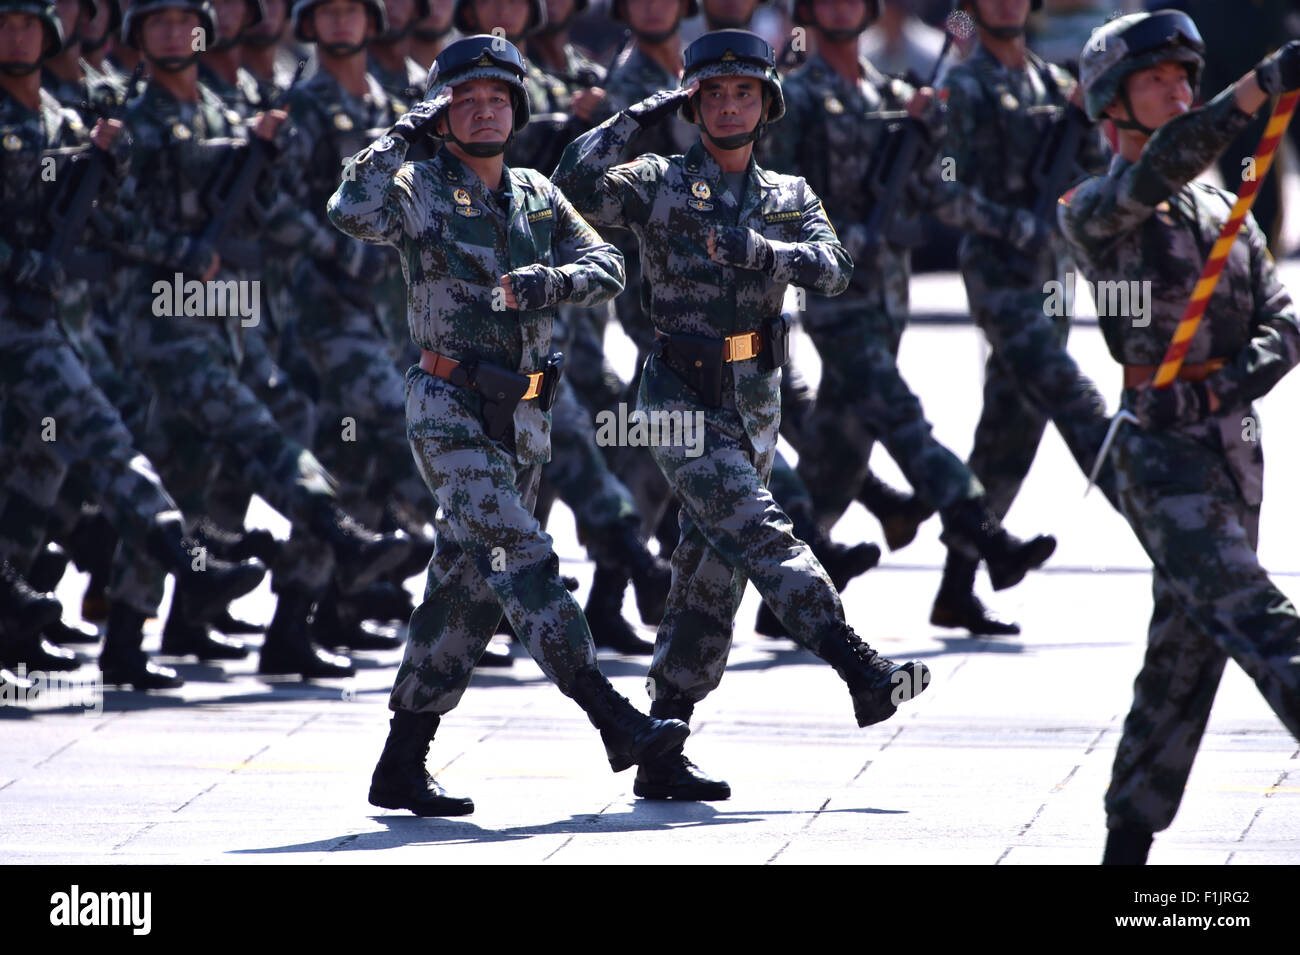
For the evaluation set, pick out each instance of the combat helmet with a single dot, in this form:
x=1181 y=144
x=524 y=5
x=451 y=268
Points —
x=483 y=56
x=1125 y=46
x=44 y=11
x=552 y=26
x=392 y=34
x=801 y=14
x=138 y=11
x=302 y=9
x=256 y=13
x=461 y=18
x=733 y=53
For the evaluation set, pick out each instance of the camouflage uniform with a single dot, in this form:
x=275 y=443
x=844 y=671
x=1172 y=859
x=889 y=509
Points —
x=997 y=118
x=353 y=332
x=1191 y=492
x=492 y=554
x=44 y=377
x=193 y=360
x=732 y=529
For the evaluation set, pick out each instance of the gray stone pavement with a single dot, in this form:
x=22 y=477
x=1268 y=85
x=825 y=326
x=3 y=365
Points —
x=1003 y=760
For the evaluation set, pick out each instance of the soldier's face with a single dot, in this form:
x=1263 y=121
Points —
x=169 y=33
x=94 y=29
x=839 y=14
x=510 y=15
x=730 y=14
x=1158 y=94
x=730 y=105
x=399 y=13
x=231 y=15
x=558 y=10
x=1003 y=13
x=341 y=22
x=481 y=112
x=654 y=16
x=22 y=37
x=440 y=13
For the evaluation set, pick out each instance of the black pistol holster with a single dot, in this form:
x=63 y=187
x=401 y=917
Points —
x=697 y=361
x=552 y=374
x=776 y=343
x=500 y=392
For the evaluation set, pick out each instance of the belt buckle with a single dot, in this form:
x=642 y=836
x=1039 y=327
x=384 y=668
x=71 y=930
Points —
x=742 y=346
x=534 y=386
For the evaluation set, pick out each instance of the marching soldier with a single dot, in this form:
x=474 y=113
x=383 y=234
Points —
x=720 y=240
x=1001 y=101
x=835 y=106
x=432 y=32
x=56 y=418
x=488 y=251
x=1189 y=479
x=389 y=60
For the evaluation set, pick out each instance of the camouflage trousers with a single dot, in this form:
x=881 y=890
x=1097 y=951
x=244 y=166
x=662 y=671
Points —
x=55 y=418
x=203 y=404
x=1010 y=428
x=360 y=435
x=733 y=531
x=492 y=556
x=579 y=474
x=862 y=399
x=1212 y=601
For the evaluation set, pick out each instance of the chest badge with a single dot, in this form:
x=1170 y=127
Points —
x=701 y=191
x=12 y=143
x=181 y=131
x=462 y=200
x=1009 y=102
x=342 y=122
x=833 y=105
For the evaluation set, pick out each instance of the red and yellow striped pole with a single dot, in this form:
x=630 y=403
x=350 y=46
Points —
x=1195 y=310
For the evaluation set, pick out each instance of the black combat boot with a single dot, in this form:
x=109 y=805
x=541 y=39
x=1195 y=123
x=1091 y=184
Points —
x=337 y=624
x=1126 y=845
x=183 y=636
x=211 y=584
x=651 y=576
x=673 y=776
x=876 y=685
x=48 y=569
x=362 y=555
x=123 y=661
x=24 y=616
x=957 y=606
x=604 y=613
x=288 y=649
x=900 y=515
x=91 y=545
x=401 y=781
x=1007 y=558
x=383 y=601
x=630 y=736
x=230 y=545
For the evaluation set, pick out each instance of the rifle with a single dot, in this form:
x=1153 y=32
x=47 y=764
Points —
x=894 y=162
x=1055 y=167
x=229 y=195
x=71 y=208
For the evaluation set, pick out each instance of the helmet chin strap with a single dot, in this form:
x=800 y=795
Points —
x=482 y=150
x=737 y=140
x=261 y=41
x=1131 y=122
x=656 y=37
x=173 y=64
x=840 y=36
x=341 y=50
x=428 y=34
x=11 y=68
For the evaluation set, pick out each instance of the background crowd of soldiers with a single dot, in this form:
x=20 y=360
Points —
x=131 y=442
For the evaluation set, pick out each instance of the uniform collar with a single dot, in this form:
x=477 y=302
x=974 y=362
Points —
x=457 y=175
x=699 y=164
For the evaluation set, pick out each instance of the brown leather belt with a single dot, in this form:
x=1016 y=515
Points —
x=440 y=366
x=1138 y=375
x=737 y=347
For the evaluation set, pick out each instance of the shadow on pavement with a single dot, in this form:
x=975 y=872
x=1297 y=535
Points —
x=643 y=816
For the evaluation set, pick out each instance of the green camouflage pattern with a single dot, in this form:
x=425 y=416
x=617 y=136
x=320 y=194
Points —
x=732 y=528
x=1192 y=493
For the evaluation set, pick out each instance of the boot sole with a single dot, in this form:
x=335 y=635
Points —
x=659 y=744
x=682 y=793
x=983 y=629
x=451 y=807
